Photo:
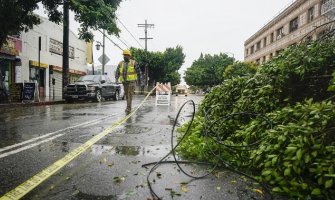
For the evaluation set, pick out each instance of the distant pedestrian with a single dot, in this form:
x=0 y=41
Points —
x=128 y=72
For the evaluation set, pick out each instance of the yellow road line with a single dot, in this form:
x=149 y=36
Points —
x=27 y=186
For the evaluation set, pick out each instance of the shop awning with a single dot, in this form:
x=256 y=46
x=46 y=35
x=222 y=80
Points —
x=35 y=64
x=7 y=57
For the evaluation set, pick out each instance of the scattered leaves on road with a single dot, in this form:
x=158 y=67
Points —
x=183 y=188
x=259 y=191
x=111 y=164
x=119 y=179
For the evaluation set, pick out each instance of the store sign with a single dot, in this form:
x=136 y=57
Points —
x=72 y=71
x=57 y=48
x=12 y=46
x=15 y=91
x=36 y=64
x=56 y=68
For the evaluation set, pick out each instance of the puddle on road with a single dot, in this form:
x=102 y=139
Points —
x=84 y=114
x=83 y=196
x=150 y=151
x=99 y=149
x=131 y=129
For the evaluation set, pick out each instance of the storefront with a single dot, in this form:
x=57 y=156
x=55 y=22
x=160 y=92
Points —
x=9 y=64
x=75 y=74
x=37 y=72
x=56 y=80
x=55 y=83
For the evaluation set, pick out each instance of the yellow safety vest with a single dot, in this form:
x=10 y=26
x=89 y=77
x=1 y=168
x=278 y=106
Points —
x=131 y=72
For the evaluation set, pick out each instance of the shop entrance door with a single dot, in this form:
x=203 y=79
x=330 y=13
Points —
x=38 y=74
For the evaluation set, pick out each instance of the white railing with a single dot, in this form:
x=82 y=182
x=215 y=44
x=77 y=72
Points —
x=328 y=6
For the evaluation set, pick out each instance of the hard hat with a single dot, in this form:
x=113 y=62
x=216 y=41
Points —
x=126 y=52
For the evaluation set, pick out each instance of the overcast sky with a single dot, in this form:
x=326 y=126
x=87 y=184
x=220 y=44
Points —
x=199 y=26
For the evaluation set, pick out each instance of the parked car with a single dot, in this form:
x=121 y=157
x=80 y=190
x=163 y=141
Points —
x=92 y=87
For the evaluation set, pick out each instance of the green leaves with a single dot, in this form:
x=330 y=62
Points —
x=329 y=183
x=316 y=192
x=163 y=66
x=293 y=141
x=208 y=70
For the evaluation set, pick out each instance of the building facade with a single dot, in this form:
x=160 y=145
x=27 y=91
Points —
x=288 y=28
x=36 y=56
x=9 y=64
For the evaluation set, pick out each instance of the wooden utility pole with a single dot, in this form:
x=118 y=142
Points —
x=66 y=26
x=146 y=26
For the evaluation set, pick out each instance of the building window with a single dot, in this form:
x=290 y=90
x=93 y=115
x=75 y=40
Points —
x=310 y=14
x=264 y=42
x=252 y=49
x=271 y=37
x=294 y=24
x=264 y=59
x=247 y=52
x=258 y=46
x=270 y=56
x=280 y=32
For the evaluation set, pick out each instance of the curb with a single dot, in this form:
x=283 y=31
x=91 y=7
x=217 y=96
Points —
x=19 y=104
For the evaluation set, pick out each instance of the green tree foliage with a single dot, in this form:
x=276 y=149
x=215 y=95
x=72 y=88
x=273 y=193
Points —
x=208 y=70
x=240 y=69
x=163 y=66
x=277 y=125
x=17 y=16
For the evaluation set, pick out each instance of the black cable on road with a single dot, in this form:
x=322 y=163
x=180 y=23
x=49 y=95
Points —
x=212 y=135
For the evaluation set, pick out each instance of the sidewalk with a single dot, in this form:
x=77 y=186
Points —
x=43 y=101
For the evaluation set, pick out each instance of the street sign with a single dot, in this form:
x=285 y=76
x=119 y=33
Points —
x=106 y=59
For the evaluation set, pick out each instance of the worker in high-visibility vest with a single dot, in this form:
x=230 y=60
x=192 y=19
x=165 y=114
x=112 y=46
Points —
x=128 y=73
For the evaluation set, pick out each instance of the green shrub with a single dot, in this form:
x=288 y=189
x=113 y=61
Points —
x=295 y=153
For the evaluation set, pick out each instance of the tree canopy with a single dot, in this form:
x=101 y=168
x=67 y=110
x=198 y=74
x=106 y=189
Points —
x=240 y=69
x=17 y=16
x=208 y=70
x=163 y=66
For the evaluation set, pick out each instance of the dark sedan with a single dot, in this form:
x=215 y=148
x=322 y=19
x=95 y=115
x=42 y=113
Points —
x=92 y=87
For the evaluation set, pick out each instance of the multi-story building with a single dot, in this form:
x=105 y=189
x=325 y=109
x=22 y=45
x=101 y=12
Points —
x=51 y=57
x=288 y=28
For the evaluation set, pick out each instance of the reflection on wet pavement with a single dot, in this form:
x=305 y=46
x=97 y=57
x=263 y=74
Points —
x=155 y=151
x=82 y=196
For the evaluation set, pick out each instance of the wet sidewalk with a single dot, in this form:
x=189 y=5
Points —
x=41 y=101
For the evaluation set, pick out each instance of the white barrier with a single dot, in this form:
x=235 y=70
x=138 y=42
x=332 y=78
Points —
x=163 y=94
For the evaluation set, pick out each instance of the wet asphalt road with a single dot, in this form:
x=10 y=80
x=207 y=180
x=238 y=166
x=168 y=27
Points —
x=111 y=168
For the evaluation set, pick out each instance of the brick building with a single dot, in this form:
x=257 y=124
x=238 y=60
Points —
x=289 y=28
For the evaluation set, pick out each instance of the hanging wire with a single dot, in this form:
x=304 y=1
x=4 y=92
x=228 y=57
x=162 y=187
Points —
x=130 y=32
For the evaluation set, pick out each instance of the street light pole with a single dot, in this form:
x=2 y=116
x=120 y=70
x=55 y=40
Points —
x=103 y=53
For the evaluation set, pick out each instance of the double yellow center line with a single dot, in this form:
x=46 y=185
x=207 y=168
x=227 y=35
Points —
x=27 y=186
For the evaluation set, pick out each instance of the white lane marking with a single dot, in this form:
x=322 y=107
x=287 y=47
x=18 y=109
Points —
x=30 y=146
x=52 y=133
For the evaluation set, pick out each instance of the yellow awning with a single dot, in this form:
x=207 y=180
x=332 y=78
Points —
x=35 y=64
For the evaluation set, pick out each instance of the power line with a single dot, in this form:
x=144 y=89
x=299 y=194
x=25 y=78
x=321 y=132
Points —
x=111 y=40
x=130 y=33
x=123 y=42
